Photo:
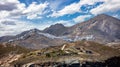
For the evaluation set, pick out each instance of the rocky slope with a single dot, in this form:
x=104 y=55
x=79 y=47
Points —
x=10 y=53
x=101 y=28
x=69 y=54
x=34 y=39
x=57 y=30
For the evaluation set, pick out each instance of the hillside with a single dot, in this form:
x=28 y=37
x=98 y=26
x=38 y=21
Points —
x=10 y=53
x=80 y=51
x=57 y=30
x=101 y=28
x=12 y=49
x=33 y=39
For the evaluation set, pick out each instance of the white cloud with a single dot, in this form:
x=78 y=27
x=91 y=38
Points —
x=73 y=8
x=116 y=16
x=70 y=9
x=15 y=9
x=4 y=14
x=11 y=8
x=54 y=4
x=107 y=6
x=9 y=23
x=33 y=16
x=8 y=10
x=89 y=2
x=35 y=9
x=81 y=18
x=13 y=27
x=65 y=23
x=11 y=1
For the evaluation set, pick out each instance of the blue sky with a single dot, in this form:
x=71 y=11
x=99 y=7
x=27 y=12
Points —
x=20 y=15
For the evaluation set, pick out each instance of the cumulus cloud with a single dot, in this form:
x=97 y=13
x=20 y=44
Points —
x=89 y=2
x=12 y=10
x=4 y=14
x=10 y=7
x=35 y=10
x=107 y=6
x=13 y=27
x=81 y=18
x=8 y=10
x=13 y=1
x=116 y=16
x=73 y=8
x=8 y=22
x=70 y=9
x=15 y=9
x=7 y=6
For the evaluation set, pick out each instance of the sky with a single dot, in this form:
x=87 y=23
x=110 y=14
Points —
x=20 y=15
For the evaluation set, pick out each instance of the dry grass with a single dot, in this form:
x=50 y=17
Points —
x=55 y=54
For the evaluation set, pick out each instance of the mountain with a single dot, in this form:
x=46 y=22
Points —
x=33 y=38
x=102 y=28
x=57 y=30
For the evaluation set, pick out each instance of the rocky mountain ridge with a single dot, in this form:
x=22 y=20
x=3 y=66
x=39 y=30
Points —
x=34 y=39
x=102 y=29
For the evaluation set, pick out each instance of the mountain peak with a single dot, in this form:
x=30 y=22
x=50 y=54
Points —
x=103 y=27
x=104 y=16
x=57 y=29
x=34 y=30
x=58 y=25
